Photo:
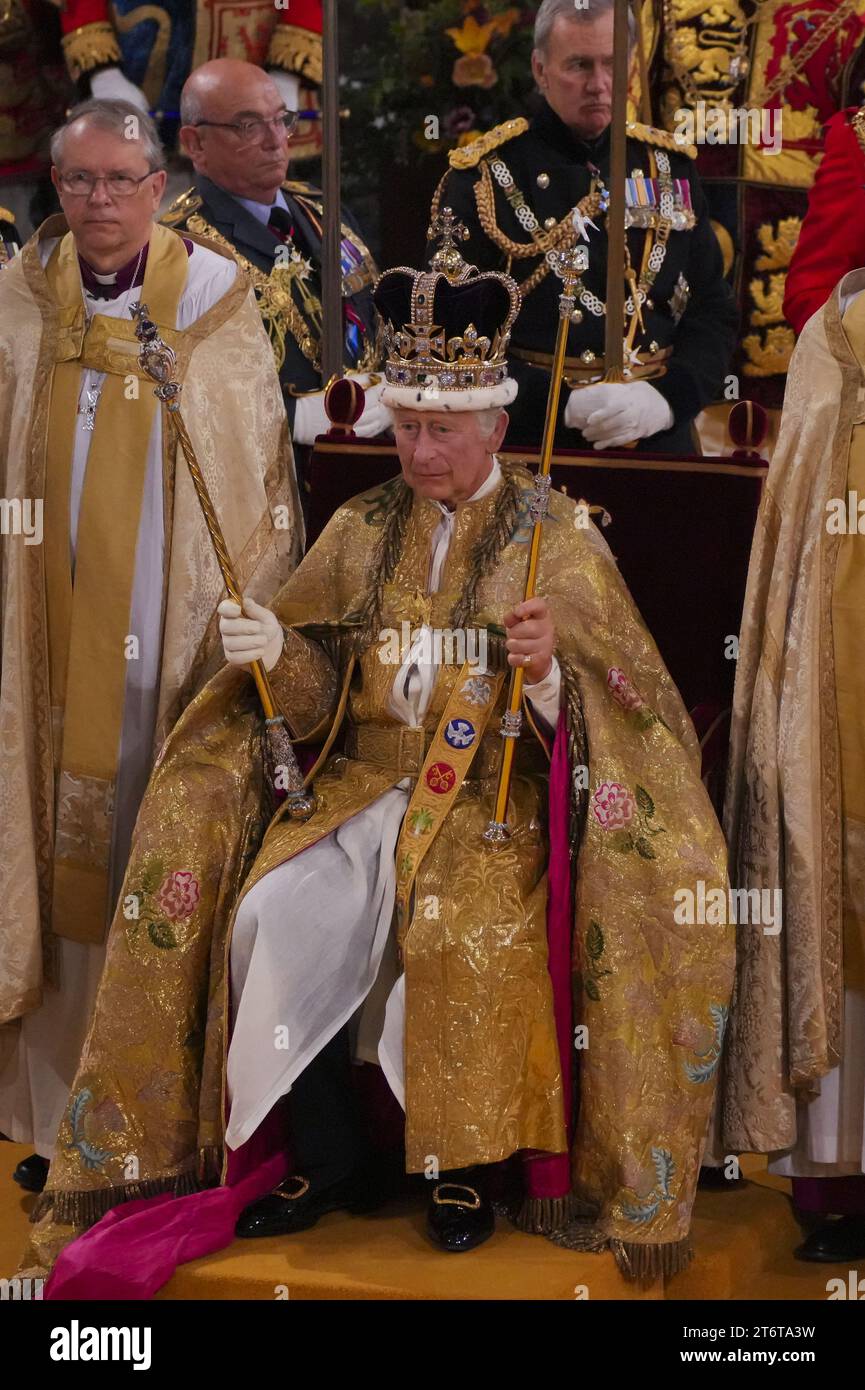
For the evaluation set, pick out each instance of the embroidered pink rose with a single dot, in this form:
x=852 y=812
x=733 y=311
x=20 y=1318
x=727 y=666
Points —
x=178 y=897
x=613 y=806
x=622 y=689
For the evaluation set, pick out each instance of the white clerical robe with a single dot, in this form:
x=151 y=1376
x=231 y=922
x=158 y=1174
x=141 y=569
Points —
x=830 y=1127
x=35 y=1080
x=313 y=940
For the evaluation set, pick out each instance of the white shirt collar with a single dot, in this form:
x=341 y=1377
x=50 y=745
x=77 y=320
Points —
x=489 y=482
x=261 y=211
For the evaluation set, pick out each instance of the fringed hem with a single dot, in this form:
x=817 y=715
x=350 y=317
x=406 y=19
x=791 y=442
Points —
x=645 y=1263
x=544 y=1216
x=85 y=1208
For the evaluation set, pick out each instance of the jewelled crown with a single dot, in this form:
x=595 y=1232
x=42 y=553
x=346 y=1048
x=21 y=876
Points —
x=446 y=330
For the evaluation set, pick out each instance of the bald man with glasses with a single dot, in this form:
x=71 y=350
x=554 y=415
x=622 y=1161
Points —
x=236 y=130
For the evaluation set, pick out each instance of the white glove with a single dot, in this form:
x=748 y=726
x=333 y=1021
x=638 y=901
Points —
x=254 y=634
x=109 y=84
x=310 y=418
x=376 y=418
x=288 y=86
x=611 y=414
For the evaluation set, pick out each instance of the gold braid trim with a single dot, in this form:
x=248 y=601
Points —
x=89 y=47
x=482 y=560
x=561 y=235
x=279 y=313
x=467 y=156
x=858 y=124
x=665 y=139
x=296 y=50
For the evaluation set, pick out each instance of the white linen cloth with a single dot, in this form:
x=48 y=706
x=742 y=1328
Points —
x=36 y=1076
x=313 y=938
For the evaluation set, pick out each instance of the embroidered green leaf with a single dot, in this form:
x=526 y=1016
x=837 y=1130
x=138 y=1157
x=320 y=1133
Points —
x=645 y=802
x=421 y=821
x=592 y=989
x=644 y=848
x=162 y=935
x=595 y=940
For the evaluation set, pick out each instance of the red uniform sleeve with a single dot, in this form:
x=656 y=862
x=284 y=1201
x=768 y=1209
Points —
x=89 y=39
x=832 y=239
x=296 y=41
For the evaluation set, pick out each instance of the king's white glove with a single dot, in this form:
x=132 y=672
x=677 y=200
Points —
x=288 y=86
x=376 y=418
x=109 y=84
x=610 y=414
x=254 y=634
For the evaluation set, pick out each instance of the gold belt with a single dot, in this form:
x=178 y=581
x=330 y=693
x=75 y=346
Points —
x=581 y=369
x=403 y=749
x=394 y=746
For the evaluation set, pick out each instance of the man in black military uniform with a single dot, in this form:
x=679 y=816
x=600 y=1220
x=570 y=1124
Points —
x=235 y=129
x=10 y=242
x=517 y=188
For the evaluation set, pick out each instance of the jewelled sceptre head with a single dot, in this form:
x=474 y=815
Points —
x=159 y=361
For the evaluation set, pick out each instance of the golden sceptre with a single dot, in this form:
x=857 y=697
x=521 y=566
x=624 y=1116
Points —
x=568 y=265
x=159 y=361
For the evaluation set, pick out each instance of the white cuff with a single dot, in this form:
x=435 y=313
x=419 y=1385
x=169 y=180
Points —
x=544 y=696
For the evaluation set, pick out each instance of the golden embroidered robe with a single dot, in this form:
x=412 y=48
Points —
x=483 y=1075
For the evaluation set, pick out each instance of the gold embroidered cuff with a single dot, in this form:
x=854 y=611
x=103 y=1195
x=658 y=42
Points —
x=90 y=47
x=303 y=682
x=296 y=50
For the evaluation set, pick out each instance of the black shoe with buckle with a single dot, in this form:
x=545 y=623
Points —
x=459 y=1218
x=32 y=1173
x=835 y=1242
x=296 y=1205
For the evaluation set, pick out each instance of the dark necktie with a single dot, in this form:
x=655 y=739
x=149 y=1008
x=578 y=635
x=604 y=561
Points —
x=281 y=223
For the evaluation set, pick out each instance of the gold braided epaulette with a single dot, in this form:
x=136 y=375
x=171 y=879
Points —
x=467 y=156
x=665 y=139
x=183 y=206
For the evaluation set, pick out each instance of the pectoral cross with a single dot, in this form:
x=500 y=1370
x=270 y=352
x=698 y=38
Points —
x=89 y=409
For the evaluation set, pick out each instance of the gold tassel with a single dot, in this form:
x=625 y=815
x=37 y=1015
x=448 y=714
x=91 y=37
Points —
x=643 y=1264
x=85 y=1208
x=544 y=1216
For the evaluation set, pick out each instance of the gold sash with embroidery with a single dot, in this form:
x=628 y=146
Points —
x=445 y=768
x=88 y=612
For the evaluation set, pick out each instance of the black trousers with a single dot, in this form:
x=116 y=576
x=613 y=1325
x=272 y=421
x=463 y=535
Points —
x=329 y=1138
x=327 y=1134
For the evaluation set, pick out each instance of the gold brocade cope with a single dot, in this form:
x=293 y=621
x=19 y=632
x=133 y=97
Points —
x=848 y=606
x=455 y=742
x=483 y=1071
x=88 y=614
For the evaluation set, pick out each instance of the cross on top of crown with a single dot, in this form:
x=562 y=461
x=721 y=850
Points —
x=447 y=229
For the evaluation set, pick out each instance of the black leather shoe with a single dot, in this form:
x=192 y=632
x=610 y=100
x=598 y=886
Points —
x=835 y=1242
x=458 y=1217
x=32 y=1173
x=296 y=1206
x=716 y=1180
